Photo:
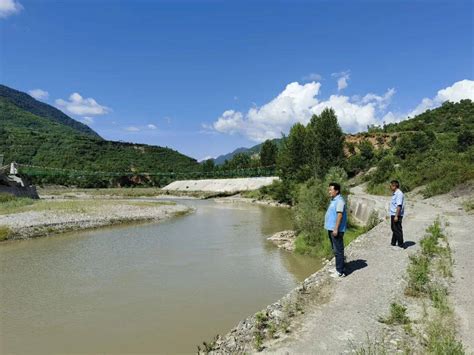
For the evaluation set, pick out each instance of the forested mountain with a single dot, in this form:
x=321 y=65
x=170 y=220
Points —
x=249 y=151
x=29 y=104
x=40 y=140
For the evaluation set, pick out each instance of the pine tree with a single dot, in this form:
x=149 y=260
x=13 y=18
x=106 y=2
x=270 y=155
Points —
x=325 y=142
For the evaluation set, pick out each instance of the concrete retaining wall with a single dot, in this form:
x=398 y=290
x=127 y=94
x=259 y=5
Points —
x=362 y=207
x=220 y=185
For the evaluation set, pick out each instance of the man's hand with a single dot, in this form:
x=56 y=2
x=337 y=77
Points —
x=395 y=219
x=334 y=233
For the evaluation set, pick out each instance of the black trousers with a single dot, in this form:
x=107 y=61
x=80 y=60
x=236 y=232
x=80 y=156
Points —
x=337 y=245
x=397 y=231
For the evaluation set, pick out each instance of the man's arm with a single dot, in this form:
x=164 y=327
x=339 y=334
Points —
x=397 y=213
x=338 y=222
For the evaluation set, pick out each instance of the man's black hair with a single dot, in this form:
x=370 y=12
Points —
x=396 y=183
x=336 y=186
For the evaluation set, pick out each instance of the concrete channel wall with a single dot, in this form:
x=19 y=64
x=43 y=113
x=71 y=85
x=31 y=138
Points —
x=361 y=208
x=221 y=185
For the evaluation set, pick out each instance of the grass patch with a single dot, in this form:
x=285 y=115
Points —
x=5 y=232
x=373 y=221
x=126 y=192
x=441 y=337
x=253 y=194
x=207 y=347
x=418 y=276
x=12 y=205
x=323 y=248
x=439 y=297
x=120 y=192
x=371 y=347
x=378 y=189
x=469 y=205
x=398 y=315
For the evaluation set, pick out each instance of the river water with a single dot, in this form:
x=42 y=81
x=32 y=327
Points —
x=148 y=288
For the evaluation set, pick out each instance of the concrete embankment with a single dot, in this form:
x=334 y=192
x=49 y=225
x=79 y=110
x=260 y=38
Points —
x=221 y=185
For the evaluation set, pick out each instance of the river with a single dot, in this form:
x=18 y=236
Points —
x=148 y=288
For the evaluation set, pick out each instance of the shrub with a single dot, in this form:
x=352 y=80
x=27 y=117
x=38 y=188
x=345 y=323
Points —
x=398 y=315
x=4 y=233
x=418 y=275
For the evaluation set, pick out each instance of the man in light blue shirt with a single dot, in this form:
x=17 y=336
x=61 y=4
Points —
x=335 y=223
x=397 y=210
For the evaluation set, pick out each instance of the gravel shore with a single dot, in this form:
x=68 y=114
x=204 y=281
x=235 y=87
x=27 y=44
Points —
x=33 y=224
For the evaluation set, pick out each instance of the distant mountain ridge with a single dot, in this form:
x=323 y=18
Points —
x=28 y=135
x=250 y=151
x=38 y=108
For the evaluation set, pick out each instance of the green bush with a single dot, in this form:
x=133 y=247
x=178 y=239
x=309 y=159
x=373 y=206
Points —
x=4 y=197
x=398 y=315
x=418 y=275
x=5 y=232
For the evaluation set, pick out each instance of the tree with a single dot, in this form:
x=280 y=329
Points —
x=293 y=157
x=465 y=140
x=208 y=165
x=366 y=150
x=325 y=142
x=268 y=153
x=240 y=161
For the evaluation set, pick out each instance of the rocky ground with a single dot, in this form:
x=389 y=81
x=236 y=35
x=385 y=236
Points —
x=327 y=314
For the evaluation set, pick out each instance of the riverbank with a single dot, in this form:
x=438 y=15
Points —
x=24 y=219
x=323 y=316
x=62 y=209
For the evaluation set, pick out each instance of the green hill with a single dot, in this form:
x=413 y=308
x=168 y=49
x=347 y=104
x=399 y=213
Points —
x=449 y=117
x=31 y=139
x=434 y=149
x=29 y=104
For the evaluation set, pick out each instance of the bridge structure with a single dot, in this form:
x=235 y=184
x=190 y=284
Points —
x=41 y=171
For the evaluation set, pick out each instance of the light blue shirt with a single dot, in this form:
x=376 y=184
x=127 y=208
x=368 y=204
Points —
x=398 y=199
x=337 y=205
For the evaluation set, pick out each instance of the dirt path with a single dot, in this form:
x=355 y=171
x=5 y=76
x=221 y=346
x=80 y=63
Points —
x=376 y=280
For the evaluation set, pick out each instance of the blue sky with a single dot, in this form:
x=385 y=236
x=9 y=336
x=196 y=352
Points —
x=206 y=77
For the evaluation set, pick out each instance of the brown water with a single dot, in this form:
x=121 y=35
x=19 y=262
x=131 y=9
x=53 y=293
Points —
x=154 y=288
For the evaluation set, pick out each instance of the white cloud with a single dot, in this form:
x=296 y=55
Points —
x=312 y=77
x=88 y=120
x=298 y=102
x=206 y=158
x=151 y=126
x=343 y=78
x=463 y=89
x=38 y=94
x=9 y=7
x=270 y=120
x=132 y=129
x=78 y=105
